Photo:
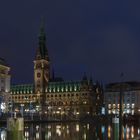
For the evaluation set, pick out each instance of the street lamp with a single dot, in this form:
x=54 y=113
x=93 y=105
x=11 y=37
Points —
x=22 y=105
x=121 y=107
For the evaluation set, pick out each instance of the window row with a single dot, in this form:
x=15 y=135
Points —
x=22 y=97
x=66 y=95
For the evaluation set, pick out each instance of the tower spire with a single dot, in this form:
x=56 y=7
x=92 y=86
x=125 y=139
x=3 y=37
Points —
x=42 y=30
x=42 y=52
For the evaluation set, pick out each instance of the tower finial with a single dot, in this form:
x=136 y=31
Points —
x=42 y=27
x=42 y=52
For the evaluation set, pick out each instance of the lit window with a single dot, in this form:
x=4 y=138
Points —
x=113 y=111
x=114 y=105
x=128 y=111
x=109 y=105
x=128 y=105
x=133 y=105
x=109 y=111
x=132 y=112
x=84 y=102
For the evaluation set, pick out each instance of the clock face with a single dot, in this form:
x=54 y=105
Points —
x=38 y=75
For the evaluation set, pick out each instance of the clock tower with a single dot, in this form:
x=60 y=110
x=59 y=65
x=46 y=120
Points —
x=41 y=63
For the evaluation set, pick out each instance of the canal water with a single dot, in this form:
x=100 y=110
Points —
x=72 y=131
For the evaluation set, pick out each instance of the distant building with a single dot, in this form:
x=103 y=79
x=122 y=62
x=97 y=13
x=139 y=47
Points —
x=131 y=97
x=4 y=85
x=53 y=96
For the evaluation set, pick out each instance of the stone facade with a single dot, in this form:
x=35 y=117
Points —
x=4 y=86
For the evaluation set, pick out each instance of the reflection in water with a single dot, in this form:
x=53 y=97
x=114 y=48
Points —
x=109 y=131
x=3 y=135
x=72 y=131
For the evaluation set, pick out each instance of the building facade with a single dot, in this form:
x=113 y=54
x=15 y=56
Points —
x=5 y=96
x=53 y=97
x=130 y=96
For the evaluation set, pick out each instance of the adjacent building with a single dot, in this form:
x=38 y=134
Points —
x=53 y=97
x=130 y=95
x=4 y=85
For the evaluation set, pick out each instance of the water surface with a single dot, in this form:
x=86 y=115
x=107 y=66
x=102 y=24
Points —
x=72 y=131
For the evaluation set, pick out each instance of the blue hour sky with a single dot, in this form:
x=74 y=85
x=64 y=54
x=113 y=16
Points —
x=99 y=37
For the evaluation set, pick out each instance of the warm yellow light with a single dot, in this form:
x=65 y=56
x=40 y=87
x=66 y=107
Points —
x=57 y=112
x=77 y=128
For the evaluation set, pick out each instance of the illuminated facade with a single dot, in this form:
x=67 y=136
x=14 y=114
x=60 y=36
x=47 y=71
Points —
x=53 y=97
x=131 y=97
x=4 y=86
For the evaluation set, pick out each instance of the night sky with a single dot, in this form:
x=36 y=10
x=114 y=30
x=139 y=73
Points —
x=99 y=37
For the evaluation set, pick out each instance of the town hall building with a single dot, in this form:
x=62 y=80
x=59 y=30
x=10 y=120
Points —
x=53 y=97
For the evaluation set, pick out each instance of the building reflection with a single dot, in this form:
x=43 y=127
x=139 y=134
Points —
x=72 y=131
x=3 y=135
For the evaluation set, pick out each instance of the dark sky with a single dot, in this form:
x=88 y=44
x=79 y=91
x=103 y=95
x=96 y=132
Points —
x=99 y=37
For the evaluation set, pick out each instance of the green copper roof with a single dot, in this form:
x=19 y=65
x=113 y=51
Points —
x=22 y=89
x=53 y=87
x=63 y=86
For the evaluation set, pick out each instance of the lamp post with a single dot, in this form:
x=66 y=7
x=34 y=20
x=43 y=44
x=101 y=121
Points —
x=121 y=107
x=22 y=109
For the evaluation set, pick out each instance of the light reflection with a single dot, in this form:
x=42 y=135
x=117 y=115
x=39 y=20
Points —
x=124 y=132
x=85 y=136
x=3 y=135
x=37 y=127
x=138 y=131
x=58 y=130
x=132 y=132
x=77 y=127
x=26 y=134
x=49 y=134
x=109 y=131
x=103 y=129
x=37 y=135
x=127 y=132
x=67 y=131
x=87 y=126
